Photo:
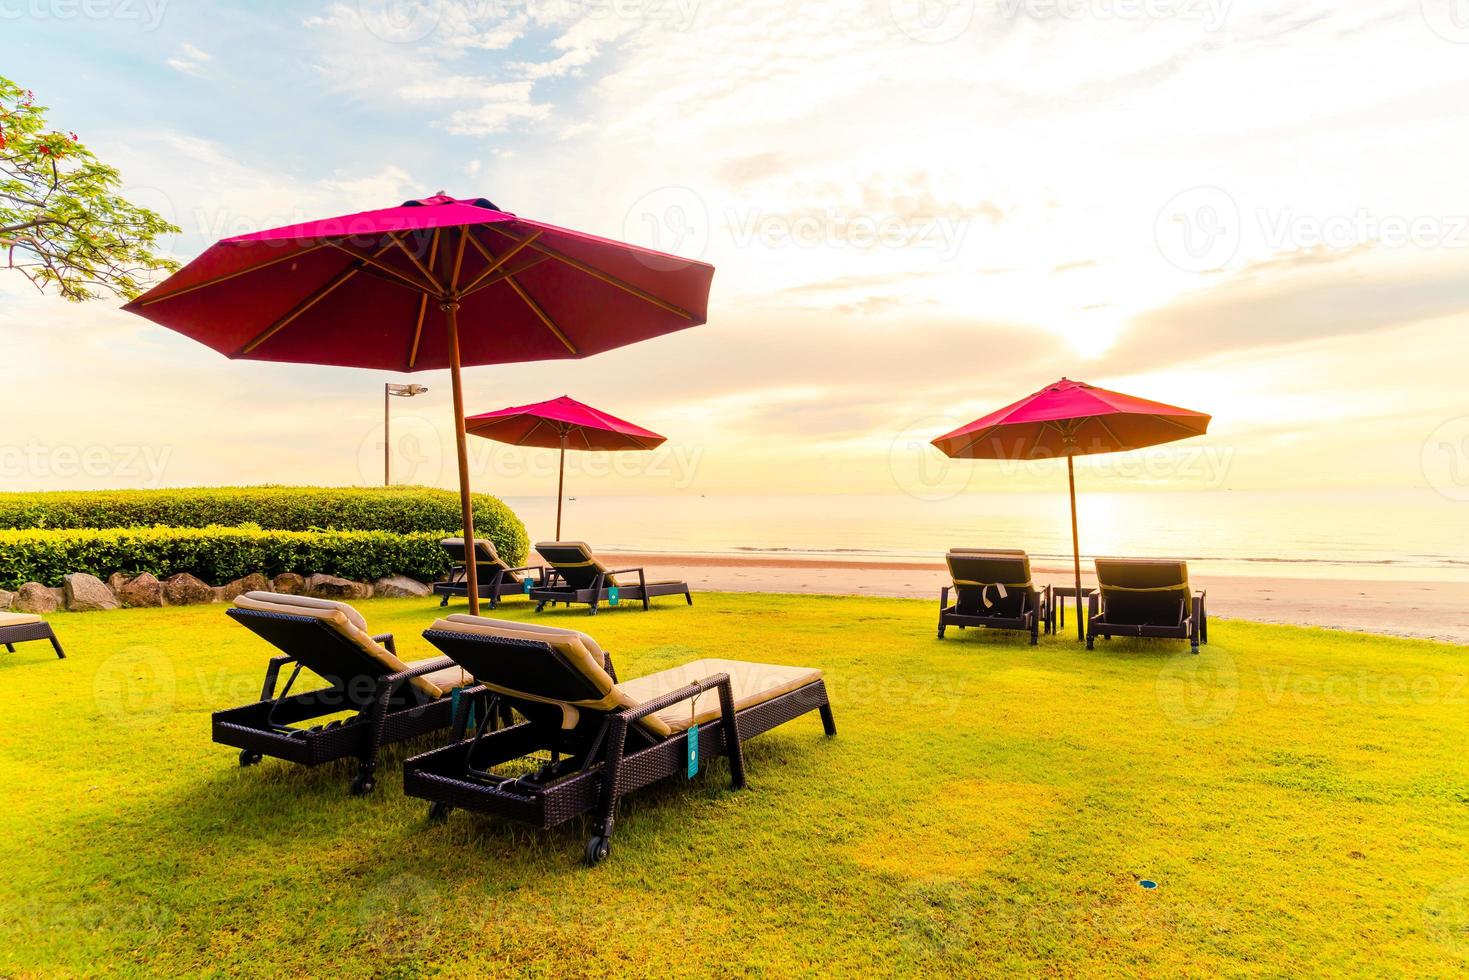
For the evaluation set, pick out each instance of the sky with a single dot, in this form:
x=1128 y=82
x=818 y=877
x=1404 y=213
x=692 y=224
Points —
x=919 y=211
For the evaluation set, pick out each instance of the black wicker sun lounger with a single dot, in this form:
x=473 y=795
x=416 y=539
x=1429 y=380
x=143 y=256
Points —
x=993 y=589
x=1147 y=597
x=602 y=738
x=20 y=627
x=496 y=579
x=382 y=699
x=575 y=575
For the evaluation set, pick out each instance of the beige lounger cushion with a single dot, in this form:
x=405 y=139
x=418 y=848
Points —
x=750 y=683
x=350 y=624
x=588 y=560
x=485 y=554
x=18 y=619
x=578 y=649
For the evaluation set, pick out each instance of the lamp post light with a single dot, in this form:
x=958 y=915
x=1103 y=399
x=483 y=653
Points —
x=389 y=392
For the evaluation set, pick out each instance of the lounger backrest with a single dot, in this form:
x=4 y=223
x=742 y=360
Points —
x=529 y=662
x=329 y=638
x=1144 y=591
x=989 y=583
x=487 y=559
x=576 y=563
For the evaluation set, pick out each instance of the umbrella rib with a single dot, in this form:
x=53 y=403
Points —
x=606 y=277
x=371 y=260
x=433 y=256
x=311 y=300
x=1108 y=429
x=418 y=263
x=458 y=260
x=542 y=314
x=225 y=278
x=494 y=263
x=502 y=275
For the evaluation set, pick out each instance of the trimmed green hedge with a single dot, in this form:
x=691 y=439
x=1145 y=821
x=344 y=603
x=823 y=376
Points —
x=399 y=510
x=216 y=554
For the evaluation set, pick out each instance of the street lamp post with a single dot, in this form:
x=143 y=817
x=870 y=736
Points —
x=389 y=392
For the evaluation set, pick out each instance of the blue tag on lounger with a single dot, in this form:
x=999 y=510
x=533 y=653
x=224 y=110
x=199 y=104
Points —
x=693 y=744
x=612 y=596
x=526 y=586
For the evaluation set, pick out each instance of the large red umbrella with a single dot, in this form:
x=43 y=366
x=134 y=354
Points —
x=558 y=424
x=1071 y=418
x=431 y=284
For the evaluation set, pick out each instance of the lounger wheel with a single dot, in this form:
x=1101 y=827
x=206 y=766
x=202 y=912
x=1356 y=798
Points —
x=363 y=784
x=249 y=758
x=439 y=812
x=597 y=850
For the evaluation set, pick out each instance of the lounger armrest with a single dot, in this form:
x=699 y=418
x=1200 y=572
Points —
x=944 y=597
x=386 y=639
x=674 y=697
x=388 y=685
x=272 y=673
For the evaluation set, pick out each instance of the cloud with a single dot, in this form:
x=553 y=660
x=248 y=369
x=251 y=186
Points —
x=190 y=60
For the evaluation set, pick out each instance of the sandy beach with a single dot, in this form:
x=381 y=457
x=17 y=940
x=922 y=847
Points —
x=1426 y=609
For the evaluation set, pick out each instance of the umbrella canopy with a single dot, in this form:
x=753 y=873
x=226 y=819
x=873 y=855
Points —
x=562 y=423
x=434 y=283
x=1072 y=418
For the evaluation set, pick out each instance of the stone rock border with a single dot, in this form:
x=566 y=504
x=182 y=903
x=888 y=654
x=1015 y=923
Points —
x=81 y=592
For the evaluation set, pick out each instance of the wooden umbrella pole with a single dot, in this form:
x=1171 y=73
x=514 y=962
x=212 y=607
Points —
x=560 y=486
x=471 y=572
x=1075 y=547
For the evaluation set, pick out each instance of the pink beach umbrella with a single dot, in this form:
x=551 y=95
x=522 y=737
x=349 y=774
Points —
x=1072 y=418
x=562 y=423
x=431 y=284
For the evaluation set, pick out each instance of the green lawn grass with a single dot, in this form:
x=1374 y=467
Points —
x=1300 y=796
